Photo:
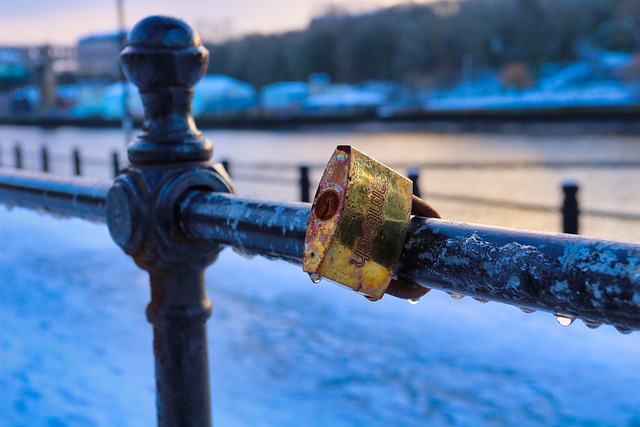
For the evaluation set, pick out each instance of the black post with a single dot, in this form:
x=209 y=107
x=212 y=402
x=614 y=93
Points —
x=18 y=156
x=116 y=164
x=165 y=59
x=77 y=169
x=570 y=208
x=414 y=175
x=44 y=158
x=227 y=166
x=304 y=184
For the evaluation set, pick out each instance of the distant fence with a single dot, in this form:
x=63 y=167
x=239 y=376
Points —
x=264 y=172
x=46 y=158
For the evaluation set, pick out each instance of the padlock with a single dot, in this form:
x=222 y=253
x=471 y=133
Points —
x=359 y=220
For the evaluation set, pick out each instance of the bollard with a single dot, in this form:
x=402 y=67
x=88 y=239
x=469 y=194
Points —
x=44 y=158
x=165 y=59
x=304 y=184
x=77 y=169
x=18 y=156
x=570 y=208
x=116 y=164
x=227 y=166
x=414 y=175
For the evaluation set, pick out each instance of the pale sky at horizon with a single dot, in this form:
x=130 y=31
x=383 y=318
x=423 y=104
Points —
x=26 y=22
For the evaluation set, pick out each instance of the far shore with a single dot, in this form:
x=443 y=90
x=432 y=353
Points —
x=572 y=120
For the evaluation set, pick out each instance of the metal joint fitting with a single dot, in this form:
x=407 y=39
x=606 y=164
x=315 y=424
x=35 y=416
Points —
x=169 y=161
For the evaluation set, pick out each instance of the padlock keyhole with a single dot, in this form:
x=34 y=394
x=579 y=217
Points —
x=327 y=204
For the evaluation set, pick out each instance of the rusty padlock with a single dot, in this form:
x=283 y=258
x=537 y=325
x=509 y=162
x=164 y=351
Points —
x=358 y=224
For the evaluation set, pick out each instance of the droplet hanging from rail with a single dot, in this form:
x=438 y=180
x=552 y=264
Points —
x=240 y=251
x=591 y=324
x=413 y=301
x=481 y=301
x=455 y=295
x=623 y=330
x=370 y=298
x=565 y=319
x=315 y=278
x=526 y=310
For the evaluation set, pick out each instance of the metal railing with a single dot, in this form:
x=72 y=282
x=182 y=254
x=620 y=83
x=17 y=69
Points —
x=263 y=173
x=76 y=159
x=173 y=211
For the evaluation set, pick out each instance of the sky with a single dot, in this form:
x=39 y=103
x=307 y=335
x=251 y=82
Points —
x=24 y=22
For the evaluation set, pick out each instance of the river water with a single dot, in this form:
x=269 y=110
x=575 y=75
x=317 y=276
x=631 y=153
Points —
x=530 y=169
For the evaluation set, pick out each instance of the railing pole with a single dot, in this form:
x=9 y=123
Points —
x=116 y=164
x=44 y=158
x=414 y=175
x=18 y=156
x=165 y=59
x=180 y=347
x=570 y=208
x=77 y=167
x=227 y=166
x=304 y=184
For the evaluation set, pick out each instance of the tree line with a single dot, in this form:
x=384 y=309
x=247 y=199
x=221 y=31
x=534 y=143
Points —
x=431 y=44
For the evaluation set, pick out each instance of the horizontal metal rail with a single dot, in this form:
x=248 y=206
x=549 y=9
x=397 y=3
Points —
x=76 y=197
x=572 y=276
x=254 y=226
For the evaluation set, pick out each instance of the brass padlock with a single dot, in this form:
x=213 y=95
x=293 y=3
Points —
x=358 y=224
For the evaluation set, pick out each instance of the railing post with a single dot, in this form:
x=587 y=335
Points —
x=414 y=175
x=18 y=156
x=44 y=158
x=116 y=164
x=77 y=167
x=165 y=59
x=570 y=208
x=304 y=184
x=227 y=166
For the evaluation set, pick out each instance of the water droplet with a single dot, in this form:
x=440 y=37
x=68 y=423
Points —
x=623 y=330
x=565 y=319
x=370 y=298
x=413 y=301
x=455 y=295
x=526 y=310
x=244 y=254
x=481 y=301
x=592 y=324
x=315 y=278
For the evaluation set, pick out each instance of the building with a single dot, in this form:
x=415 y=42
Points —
x=98 y=56
x=14 y=67
x=223 y=95
x=284 y=97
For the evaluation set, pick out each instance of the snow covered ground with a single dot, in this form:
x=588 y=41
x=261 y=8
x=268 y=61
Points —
x=75 y=348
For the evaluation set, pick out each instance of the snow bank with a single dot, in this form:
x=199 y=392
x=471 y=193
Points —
x=75 y=348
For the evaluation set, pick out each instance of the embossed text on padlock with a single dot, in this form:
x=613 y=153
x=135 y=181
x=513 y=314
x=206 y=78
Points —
x=358 y=223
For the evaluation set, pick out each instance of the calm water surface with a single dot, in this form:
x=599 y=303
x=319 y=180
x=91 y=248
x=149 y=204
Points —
x=258 y=158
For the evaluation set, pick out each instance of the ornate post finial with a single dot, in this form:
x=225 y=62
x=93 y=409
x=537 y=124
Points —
x=169 y=159
x=165 y=59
